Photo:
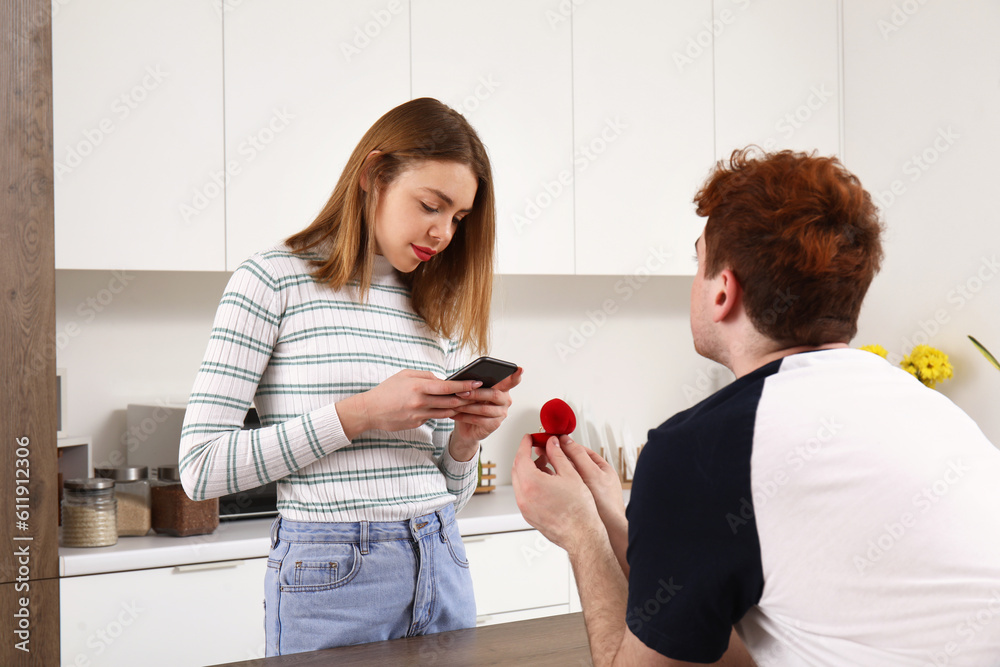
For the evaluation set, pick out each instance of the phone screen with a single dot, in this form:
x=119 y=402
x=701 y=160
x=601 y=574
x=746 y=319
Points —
x=487 y=370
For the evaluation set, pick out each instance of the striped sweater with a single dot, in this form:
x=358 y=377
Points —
x=293 y=348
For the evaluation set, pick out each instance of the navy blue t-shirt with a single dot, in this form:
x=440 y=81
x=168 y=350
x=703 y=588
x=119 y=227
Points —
x=693 y=550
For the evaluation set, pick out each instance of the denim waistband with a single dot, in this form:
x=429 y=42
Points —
x=362 y=532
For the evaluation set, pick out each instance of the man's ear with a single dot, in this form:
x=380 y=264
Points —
x=366 y=168
x=728 y=295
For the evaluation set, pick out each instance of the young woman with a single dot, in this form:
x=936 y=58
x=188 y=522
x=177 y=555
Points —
x=339 y=336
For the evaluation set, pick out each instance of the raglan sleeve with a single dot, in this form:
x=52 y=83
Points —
x=693 y=550
x=217 y=457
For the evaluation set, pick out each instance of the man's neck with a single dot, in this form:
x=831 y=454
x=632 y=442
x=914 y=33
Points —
x=749 y=363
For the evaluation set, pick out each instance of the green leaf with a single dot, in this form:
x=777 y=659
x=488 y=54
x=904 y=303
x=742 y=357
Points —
x=986 y=353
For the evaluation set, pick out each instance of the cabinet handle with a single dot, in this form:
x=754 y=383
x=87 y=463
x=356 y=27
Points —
x=198 y=567
x=475 y=538
x=482 y=620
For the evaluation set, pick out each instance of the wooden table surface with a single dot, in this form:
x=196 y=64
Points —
x=550 y=641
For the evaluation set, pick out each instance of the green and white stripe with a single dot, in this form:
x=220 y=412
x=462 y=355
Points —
x=293 y=348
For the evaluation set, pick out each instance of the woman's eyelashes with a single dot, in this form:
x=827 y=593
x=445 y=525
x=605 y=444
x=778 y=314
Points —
x=429 y=208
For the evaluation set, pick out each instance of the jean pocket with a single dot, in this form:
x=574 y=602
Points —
x=455 y=547
x=317 y=566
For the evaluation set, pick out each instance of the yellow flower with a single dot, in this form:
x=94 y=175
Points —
x=928 y=365
x=876 y=349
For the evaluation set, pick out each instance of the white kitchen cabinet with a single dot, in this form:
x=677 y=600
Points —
x=643 y=129
x=507 y=67
x=921 y=133
x=519 y=571
x=188 y=615
x=777 y=75
x=137 y=135
x=303 y=83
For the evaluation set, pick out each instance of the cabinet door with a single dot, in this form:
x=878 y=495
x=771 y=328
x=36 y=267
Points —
x=643 y=133
x=187 y=615
x=922 y=132
x=137 y=135
x=777 y=75
x=517 y=571
x=304 y=82
x=507 y=67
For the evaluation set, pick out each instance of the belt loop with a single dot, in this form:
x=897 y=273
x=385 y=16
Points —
x=442 y=527
x=274 y=531
x=364 y=537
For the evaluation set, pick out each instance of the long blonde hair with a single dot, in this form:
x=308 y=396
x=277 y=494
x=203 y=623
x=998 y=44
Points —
x=451 y=291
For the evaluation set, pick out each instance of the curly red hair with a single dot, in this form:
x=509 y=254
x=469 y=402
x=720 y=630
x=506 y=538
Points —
x=802 y=237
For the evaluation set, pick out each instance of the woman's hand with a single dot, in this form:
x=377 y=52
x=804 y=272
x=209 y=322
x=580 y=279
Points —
x=483 y=414
x=404 y=401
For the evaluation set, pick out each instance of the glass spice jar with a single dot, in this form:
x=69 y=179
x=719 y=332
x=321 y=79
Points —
x=132 y=494
x=89 y=512
x=176 y=514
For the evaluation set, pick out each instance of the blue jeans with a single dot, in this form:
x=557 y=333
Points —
x=333 y=584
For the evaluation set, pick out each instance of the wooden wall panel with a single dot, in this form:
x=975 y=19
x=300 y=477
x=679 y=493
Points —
x=29 y=585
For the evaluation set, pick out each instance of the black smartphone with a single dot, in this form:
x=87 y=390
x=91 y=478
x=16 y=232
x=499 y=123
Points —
x=487 y=370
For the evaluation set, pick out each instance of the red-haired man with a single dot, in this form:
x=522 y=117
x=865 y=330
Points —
x=825 y=508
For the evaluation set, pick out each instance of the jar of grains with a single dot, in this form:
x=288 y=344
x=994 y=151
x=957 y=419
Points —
x=132 y=494
x=176 y=514
x=89 y=513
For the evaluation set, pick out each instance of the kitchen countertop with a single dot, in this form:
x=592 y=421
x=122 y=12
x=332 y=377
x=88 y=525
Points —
x=494 y=512
x=545 y=642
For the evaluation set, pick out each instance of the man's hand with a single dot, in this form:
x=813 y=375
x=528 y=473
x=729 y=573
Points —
x=555 y=500
x=599 y=476
x=606 y=488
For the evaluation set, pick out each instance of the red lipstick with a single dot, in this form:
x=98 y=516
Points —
x=422 y=253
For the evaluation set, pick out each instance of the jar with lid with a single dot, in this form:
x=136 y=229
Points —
x=89 y=512
x=176 y=514
x=132 y=494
